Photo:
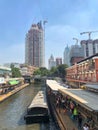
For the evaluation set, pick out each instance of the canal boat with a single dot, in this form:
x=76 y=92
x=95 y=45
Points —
x=38 y=109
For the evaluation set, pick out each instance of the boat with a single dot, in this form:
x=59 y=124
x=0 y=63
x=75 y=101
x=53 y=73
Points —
x=38 y=109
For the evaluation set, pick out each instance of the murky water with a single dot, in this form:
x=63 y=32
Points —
x=13 y=109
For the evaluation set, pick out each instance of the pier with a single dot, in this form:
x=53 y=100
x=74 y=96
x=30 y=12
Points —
x=83 y=104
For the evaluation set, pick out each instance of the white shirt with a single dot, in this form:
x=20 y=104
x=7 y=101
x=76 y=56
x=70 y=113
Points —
x=85 y=128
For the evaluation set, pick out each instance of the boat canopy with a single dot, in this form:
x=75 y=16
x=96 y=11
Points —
x=13 y=82
x=54 y=85
x=39 y=101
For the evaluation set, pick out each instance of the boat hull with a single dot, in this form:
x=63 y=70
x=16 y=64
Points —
x=36 y=118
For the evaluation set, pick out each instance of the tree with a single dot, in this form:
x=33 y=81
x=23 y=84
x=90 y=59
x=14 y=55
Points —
x=54 y=71
x=62 y=70
x=59 y=71
x=37 y=72
x=15 y=72
x=42 y=71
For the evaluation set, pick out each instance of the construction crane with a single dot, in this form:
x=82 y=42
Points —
x=76 y=40
x=89 y=33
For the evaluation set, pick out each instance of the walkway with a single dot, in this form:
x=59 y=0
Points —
x=63 y=119
x=66 y=120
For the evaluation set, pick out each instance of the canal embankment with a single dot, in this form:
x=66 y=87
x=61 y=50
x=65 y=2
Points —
x=10 y=93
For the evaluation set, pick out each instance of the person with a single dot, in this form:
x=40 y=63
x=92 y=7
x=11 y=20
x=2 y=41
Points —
x=75 y=113
x=86 y=127
x=71 y=106
x=80 y=120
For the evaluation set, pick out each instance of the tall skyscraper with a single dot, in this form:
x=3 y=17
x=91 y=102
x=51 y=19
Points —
x=76 y=54
x=66 y=55
x=51 y=62
x=58 y=61
x=34 y=46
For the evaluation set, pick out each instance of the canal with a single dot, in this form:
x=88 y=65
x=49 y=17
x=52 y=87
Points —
x=13 y=109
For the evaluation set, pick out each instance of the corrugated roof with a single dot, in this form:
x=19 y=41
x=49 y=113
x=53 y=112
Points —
x=54 y=85
x=93 y=86
x=87 y=99
x=39 y=100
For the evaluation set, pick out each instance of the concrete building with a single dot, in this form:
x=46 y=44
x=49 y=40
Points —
x=76 y=54
x=51 y=62
x=34 y=46
x=66 y=56
x=27 y=70
x=5 y=71
x=90 y=47
x=85 y=71
x=58 y=61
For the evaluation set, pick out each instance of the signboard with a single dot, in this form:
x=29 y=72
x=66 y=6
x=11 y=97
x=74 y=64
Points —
x=2 y=80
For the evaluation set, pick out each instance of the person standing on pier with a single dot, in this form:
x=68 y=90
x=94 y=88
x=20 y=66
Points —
x=75 y=113
x=80 y=120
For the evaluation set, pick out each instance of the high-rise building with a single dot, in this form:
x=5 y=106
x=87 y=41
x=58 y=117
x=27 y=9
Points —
x=51 y=62
x=66 y=56
x=76 y=54
x=58 y=61
x=90 y=47
x=34 y=46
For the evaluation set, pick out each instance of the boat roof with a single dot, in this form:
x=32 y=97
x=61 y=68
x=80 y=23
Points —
x=39 y=101
x=85 y=98
x=54 y=85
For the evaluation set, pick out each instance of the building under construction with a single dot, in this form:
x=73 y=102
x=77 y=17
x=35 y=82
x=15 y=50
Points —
x=34 y=46
x=90 y=47
x=76 y=54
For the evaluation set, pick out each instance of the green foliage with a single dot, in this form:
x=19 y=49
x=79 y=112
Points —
x=59 y=71
x=41 y=71
x=37 y=72
x=53 y=71
x=62 y=70
x=15 y=72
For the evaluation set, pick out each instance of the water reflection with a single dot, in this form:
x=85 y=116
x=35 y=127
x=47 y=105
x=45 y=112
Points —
x=13 y=109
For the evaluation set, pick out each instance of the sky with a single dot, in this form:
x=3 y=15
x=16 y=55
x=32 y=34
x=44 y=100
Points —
x=66 y=19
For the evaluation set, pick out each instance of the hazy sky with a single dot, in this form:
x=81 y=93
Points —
x=66 y=19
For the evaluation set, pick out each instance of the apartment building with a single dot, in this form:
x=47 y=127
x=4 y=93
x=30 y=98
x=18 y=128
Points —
x=84 y=71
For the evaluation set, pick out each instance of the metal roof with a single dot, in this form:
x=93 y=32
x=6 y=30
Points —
x=93 y=86
x=85 y=98
x=39 y=101
x=54 y=85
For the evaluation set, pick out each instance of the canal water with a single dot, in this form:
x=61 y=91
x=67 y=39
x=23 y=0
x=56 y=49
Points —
x=13 y=109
